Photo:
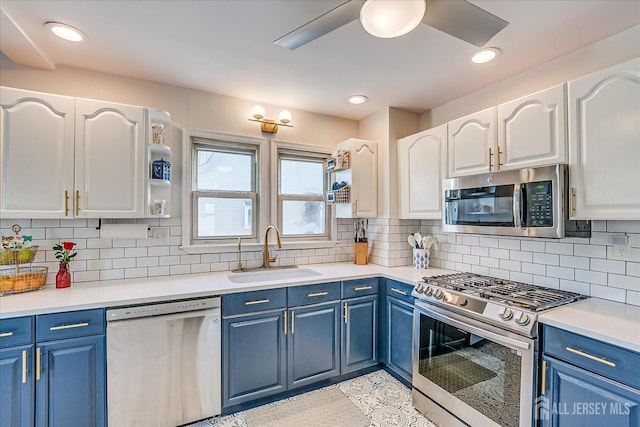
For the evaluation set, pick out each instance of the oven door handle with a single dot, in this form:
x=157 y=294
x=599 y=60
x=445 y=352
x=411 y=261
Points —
x=500 y=339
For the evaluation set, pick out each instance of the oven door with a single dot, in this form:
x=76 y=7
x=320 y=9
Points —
x=479 y=373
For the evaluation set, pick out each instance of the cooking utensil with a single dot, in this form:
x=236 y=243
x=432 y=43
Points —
x=427 y=242
x=418 y=238
x=412 y=241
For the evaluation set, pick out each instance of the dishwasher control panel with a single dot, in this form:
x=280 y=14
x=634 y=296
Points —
x=163 y=308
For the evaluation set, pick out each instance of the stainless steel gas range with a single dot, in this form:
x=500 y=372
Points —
x=475 y=348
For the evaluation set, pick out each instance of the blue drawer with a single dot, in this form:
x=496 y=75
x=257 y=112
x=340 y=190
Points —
x=359 y=287
x=251 y=302
x=400 y=290
x=581 y=351
x=312 y=294
x=16 y=331
x=70 y=324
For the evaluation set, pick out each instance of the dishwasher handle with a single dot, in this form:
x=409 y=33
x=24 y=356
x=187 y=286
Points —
x=164 y=309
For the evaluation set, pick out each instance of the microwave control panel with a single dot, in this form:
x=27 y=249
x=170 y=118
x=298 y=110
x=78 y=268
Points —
x=539 y=204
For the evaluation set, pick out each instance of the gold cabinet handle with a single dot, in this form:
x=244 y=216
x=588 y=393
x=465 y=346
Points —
x=66 y=203
x=490 y=155
x=293 y=321
x=257 y=301
x=362 y=288
x=317 y=294
x=345 y=313
x=499 y=161
x=74 y=325
x=77 y=202
x=572 y=202
x=543 y=380
x=5 y=334
x=398 y=291
x=38 y=363
x=591 y=357
x=24 y=366
x=285 y=321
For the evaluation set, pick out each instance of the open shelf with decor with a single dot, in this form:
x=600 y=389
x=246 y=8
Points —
x=158 y=179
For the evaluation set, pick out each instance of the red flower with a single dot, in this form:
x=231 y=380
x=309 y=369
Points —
x=68 y=245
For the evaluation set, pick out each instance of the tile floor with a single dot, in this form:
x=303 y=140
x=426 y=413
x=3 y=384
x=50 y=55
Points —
x=382 y=398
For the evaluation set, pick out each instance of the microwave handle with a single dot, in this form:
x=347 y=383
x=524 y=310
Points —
x=517 y=205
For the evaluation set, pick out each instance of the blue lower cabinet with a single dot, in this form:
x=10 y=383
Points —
x=254 y=357
x=71 y=384
x=313 y=344
x=399 y=321
x=16 y=386
x=576 y=397
x=359 y=347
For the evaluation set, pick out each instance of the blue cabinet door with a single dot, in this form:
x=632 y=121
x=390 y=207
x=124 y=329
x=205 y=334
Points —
x=399 y=334
x=359 y=333
x=72 y=384
x=253 y=357
x=16 y=386
x=575 y=397
x=313 y=343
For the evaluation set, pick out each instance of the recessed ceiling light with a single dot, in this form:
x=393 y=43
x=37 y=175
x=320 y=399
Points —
x=357 y=99
x=65 y=31
x=485 y=55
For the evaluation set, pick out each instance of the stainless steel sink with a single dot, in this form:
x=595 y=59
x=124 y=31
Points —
x=265 y=275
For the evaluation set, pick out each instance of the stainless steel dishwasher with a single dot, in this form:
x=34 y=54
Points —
x=163 y=363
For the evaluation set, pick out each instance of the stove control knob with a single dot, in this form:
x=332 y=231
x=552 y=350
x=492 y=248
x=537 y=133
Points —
x=447 y=297
x=438 y=294
x=428 y=291
x=419 y=288
x=463 y=302
x=505 y=313
x=522 y=319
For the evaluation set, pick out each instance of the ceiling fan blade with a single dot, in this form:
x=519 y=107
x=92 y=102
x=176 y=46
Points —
x=463 y=20
x=322 y=25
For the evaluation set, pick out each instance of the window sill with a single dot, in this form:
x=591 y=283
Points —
x=256 y=247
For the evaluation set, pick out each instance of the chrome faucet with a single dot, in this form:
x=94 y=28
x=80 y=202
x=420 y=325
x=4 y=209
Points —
x=266 y=259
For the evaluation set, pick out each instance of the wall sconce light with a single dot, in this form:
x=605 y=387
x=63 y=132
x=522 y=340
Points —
x=267 y=125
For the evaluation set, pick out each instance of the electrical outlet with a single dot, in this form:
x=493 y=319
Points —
x=160 y=235
x=621 y=247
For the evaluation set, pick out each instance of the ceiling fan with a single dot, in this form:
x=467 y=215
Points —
x=458 y=18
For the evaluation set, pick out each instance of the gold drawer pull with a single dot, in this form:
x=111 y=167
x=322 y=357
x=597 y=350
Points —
x=75 y=325
x=591 y=357
x=257 y=301
x=317 y=294
x=398 y=291
x=346 y=319
x=362 y=288
x=38 y=363
x=285 y=322
x=77 y=202
x=543 y=379
x=24 y=366
x=66 y=203
x=5 y=334
x=293 y=322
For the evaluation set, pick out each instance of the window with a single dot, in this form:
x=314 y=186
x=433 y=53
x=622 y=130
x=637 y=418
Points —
x=302 y=183
x=224 y=190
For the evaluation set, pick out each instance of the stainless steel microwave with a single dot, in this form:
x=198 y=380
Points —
x=525 y=202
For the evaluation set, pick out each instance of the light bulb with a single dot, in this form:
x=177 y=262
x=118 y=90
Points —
x=65 y=31
x=258 y=112
x=357 y=99
x=391 y=18
x=485 y=55
x=284 y=116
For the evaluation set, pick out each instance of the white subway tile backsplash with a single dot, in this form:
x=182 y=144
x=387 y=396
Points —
x=571 y=286
x=537 y=269
x=559 y=248
x=113 y=274
x=549 y=282
x=124 y=262
x=521 y=256
x=544 y=258
x=499 y=253
x=131 y=273
x=609 y=293
x=510 y=265
x=623 y=226
x=608 y=266
x=560 y=272
x=509 y=244
x=574 y=262
x=532 y=246
x=591 y=277
x=627 y=282
x=593 y=251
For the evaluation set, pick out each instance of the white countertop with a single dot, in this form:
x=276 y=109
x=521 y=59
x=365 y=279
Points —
x=113 y=293
x=609 y=321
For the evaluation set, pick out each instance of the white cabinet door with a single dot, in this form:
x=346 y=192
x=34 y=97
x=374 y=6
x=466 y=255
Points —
x=110 y=144
x=472 y=142
x=421 y=167
x=36 y=154
x=363 y=178
x=531 y=130
x=604 y=143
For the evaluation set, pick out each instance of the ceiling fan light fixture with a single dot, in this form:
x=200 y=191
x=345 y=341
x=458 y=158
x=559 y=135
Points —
x=485 y=55
x=65 y=31
x=358 y=99
x=391 y=18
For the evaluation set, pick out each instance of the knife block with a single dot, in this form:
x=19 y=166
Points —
x=360 y=253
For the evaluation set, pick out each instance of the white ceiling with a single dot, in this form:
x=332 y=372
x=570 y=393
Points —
x=226 y=47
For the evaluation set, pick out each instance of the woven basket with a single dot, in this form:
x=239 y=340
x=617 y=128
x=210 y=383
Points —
x=18 y=256
x=27 y=279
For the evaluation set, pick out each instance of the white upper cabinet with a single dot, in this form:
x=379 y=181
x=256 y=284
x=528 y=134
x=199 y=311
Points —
x=472 y=142
x=362 y=175
x=532 y=130
x=36 y=154
x=604 y=143
x=422 y=164
x=110 y=158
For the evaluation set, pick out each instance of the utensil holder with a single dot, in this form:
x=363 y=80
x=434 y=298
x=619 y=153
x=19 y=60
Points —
x=421 y=258
x=360 y=253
